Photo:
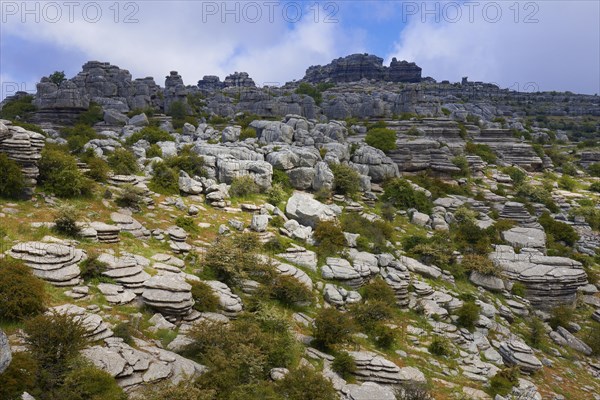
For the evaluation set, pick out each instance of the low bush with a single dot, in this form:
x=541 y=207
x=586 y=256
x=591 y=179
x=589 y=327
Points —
x=280 y=177
x=413 y=391
x=130 y=197
x=594 y=187
x=378 y=290
x=385 y=336
x=481 y=264
x=248 y=133
x=592 y=339
x=560 y=316
x=401 y=194
x=151 y=134
x=92 y=267
x=154 y=151
x=463 y=164
x=437 y=187
x=123 y=162
x=77 y=136
x=86 y=382
x=276 y=194
x=518 y=289
x=388 y=212
x=12 y=180
x=164 y=179
x=188 y=161
x=369 y=314
x=19 y=377
x=124 y=331
x=346 y=181
x=304 y=383
x=20 y=107
x=205 y=298
x=440 y=346
x=187 y=224
x=344 y=365
x=98 y=169
x=243 y=186
x=332 y=327
x=92 y=115
x=60 y=175
x=65 y=220
x=22 y=294
x=289 y=291
x=381 y=138
x=330 y=238
x=558 y=231
x=184 y=390
x=537 y=332
x=502 y=383
x=482 y=150
x=468 y=315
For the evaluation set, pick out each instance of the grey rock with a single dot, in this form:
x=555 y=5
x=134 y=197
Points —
x=525 y=237
x=307 y=211
x=5 y=353
x=139 y=120
x=259 y=223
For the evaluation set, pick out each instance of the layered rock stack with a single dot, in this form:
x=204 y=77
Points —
x=178 y=237
x=549 y=281
x=229 y=303
x=53 y=262
x=354 y=275
x=106 y=233
x=95 y=327
x=168 y=294
x=128 y=224
x=24 y=147
x=515 y=352
x=517 y=212
x=126 y=270
x=374 y=368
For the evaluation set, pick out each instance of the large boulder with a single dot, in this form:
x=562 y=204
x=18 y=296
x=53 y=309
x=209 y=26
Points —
x=525 y=237
x=229 y=168
x=307 y=211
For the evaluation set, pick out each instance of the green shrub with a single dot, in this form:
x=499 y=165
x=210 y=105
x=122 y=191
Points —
x=92 y=268
x=378 y=290
x=164 y=179
x=54 y=341
x=243 y=186
x=470 y=238
x=482 y=150
x=330 y=238
x=313 y=91
x=434 y=250
x=502 y=383
x=594 y=169
x=184 y=390
x=151 y=134
x=567 y=183
x=205 y=298
x=131 y=197
x=21 y=293
x=276 y=194
x=517 y=175
x=59 y=174
x=592 y=339
x=98 y=169
x=537 y=194
x=413 y=391
x=384 y=336
x=368 y=315
x=86 y=382
x=19 y=377
x=344 y=365
x=305 y=383
x=382 y=139
x=388 y=212
x=124 y=331
x=413 y=131
x=289 y=291
x=29 y=127
x=346 y=180
x=468 y=315
x=187 y=224
x=537 y=332
x=595 y=187
x=481 y=264
x=154 y=151
x=323 y=195
x=188 y=161
x=401 y=194
x=332 y=327
x=438 y=187
x=123 y=162
x=12 y=181
x=248 y=133
x=78 y=135
x=92 y=115
x=440 y=346
x=463 y=164
x=558 y=231
x=560 y=316
x=20 y=107
x=590 y=214
x=518 y=289
x=65 y=220
x=280 y=177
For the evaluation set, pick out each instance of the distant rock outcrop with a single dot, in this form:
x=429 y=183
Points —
x=363 y=66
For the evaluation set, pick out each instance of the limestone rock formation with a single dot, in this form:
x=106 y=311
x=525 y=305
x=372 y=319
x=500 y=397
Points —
x=169 y=294
x=126 y=270
x=515 y=352
x=24 y=147
x=307 y=211
x=54 y=262
x=5 y=353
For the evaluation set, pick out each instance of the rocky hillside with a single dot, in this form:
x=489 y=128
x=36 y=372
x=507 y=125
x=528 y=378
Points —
x=363 y=233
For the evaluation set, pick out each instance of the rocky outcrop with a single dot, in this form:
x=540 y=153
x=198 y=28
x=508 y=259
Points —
x=5 y=353
x=517 y=212
x=239 y=80
x=549 y=281
x=363 y=66
x=168 y=294
x=374 y=368
x=126 y=270
x=354 y=275
x=54 y=262
x=175 y=91
x=144 y=364
x=229 y=303
x=25 y=148
x=517 y=353
x=525 y=237
x=307 y=211
x=95 y=327
x=563 y=337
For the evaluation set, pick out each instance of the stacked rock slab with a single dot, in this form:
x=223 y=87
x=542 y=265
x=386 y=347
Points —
x=106 y=233
x=95 y=327
x=178 y=237
x=53 y=262
x=515 y=352
x=354 y=275
x=127 y=270
x=24 y=147
x=128 y=224
x=374 y=368
x=144 y=364
x=518 y=213
x=169 y=294
x=230 y=303
x=549 y=281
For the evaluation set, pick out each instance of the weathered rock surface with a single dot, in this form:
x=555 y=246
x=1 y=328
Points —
x=5 y=353
x=169 y=294
x=127 y=270
x=306 y=210
x=56 y=263
x=525 y=237
x=549 y=281
x=96 y=328
x=515 y=352
x=374 y=368
x=563 y=337
x=230 y=303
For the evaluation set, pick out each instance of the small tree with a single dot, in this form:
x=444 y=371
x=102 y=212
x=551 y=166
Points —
x=305 y=383
x=164 y=179
x=468 y=315
x=332 y=327
x=243 y=186
x=57 y=77
x=204 y=297
x=381 y=138
x=344 y=365
x=330 y=238
x=346 y=180
x=65 y=220
x=123 y=162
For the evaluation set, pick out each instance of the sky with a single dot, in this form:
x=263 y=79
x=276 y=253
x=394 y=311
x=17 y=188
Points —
x=523 y=45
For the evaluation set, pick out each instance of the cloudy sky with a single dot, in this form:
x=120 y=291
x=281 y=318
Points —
x=541 y=45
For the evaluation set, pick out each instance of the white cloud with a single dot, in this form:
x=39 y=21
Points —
x=179 y=36
x=560 y=52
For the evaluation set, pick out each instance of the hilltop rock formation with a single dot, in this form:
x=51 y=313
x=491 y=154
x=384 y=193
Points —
x=363 y=66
